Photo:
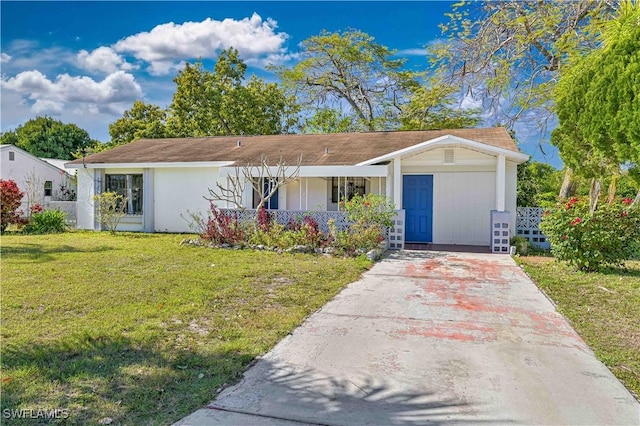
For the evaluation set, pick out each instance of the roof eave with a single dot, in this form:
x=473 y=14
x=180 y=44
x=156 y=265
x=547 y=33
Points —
x=159 y=165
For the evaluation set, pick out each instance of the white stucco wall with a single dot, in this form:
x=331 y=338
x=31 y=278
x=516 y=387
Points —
x=23 y=166
x=84 y=206
x=462 y=204
x=178 y=190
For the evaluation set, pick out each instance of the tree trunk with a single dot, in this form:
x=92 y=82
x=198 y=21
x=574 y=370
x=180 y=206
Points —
x=612 y=189
x=594 y=193
x=568 y=187
x=637 y=199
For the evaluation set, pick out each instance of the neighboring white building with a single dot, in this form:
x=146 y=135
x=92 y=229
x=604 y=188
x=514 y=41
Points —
x=445 y=182
x=41 y=178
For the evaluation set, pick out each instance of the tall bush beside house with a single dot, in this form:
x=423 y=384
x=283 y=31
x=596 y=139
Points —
x=370 y=215
x=590 y=241
x=47 y=222
x=111 y=209
x=10 y=200
x=219 y=228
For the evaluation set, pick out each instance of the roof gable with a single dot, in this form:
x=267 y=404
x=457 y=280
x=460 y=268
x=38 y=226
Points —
x=448 y=141
x=42 y=161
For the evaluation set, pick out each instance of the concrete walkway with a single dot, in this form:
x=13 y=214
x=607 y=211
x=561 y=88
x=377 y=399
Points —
x=429 y=338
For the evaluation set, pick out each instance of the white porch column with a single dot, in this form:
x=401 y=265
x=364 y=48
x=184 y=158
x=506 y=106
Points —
x=501 y=182
x=86 y=188
x=306 y=193
x=388 y=182
x=397 y=183
x=148 y=205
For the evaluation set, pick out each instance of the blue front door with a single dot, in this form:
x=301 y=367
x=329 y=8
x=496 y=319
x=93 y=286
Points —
x=417 y=199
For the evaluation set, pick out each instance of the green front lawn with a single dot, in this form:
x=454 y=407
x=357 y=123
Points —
x=604 y=308
x=137 y=329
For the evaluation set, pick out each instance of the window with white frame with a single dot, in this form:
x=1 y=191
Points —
x=267 y=186
x=48 y=188
x=130 y=187
x=346 y=188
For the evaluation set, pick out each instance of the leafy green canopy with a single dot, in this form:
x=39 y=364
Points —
x=598 y=101
x=48 y=138
x=211 y=103
x=223 y=102
x=349 y=70
x=140 y=122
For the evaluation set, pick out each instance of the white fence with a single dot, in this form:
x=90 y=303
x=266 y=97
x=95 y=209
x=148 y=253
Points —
x=395 y=234
x=284 y=217
x=528 y=226
x=68 y=207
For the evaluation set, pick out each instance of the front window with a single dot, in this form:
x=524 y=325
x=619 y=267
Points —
x=130 y=187
x=346 y=188
x=48 y=188
x=267 y=186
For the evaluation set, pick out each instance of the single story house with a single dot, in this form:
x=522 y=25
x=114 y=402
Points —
x=444 y=183
x=43 y=179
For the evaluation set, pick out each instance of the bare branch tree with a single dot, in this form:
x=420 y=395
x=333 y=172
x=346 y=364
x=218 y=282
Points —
x=33 y=189
x=257 y=176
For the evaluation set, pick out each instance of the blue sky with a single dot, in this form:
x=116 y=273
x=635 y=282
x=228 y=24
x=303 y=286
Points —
x=85 y=62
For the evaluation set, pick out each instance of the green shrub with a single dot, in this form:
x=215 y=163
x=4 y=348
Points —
x=521 y=244
x=358 y=239
x=111 y=208
x=370 y=210
x=589 y=242
x=47 y=222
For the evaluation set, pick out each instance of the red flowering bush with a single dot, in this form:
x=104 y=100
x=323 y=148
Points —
x=263 y=219
x=10 y=200
x=221 y=228
x=36 y=208
x=590 y=242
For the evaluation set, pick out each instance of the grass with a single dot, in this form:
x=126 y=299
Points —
x=137 y=329
x=604 y=308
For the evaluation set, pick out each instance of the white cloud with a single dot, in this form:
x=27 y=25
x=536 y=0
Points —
x=53 y=95
x=412 y=52
x=169 y=43
x=4 y=58
x=468 y=102
x=43 y=106
x=103 y=59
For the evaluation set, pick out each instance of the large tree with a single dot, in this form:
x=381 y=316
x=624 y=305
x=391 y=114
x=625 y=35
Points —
x=141 y=121
x=506 y=54
x=224 y=102
x=49 y=138
x=598 y=102
x=349 y=72
x=433 y=106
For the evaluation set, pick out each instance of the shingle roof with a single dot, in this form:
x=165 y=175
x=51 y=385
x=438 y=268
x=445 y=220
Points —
x=343 y=148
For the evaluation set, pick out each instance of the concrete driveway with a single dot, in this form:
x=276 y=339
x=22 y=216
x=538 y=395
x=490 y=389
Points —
x=429 y=338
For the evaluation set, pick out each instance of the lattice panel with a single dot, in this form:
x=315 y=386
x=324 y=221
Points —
x=284 y=216
x=527 y=225
x=395 y=234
